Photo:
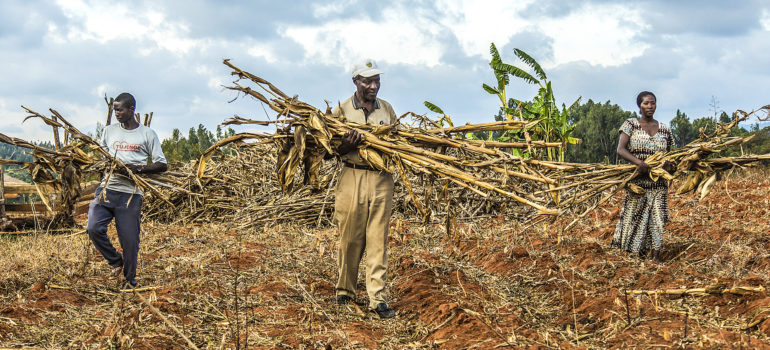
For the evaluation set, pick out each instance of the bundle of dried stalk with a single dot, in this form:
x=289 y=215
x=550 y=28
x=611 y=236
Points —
x=64 y=167
x=241 y=189
x=585 y=187
x=305 y=134
x=61 y=168
x=283 y=176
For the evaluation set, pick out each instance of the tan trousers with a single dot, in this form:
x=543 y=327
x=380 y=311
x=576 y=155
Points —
x=364 y=201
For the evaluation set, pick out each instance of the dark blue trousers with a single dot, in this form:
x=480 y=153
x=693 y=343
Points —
x=127 y=216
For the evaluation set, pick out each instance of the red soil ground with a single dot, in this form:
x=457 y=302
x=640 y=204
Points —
x=489 y=284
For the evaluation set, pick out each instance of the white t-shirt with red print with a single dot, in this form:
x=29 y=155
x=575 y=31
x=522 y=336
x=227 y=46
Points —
x=130 y=147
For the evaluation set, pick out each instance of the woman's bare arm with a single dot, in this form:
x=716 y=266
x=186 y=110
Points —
x=623 y=152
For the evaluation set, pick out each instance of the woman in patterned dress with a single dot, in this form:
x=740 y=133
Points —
x=640 y=228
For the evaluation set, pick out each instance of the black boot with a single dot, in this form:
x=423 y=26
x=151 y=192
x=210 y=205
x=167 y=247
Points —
x=384 y=311
x=343 y=299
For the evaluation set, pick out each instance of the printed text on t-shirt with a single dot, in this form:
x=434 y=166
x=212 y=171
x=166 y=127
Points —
x=126 y=147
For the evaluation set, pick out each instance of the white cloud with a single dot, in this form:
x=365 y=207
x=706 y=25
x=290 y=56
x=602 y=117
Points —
x=765 y=20
x=214 y=80
x=598 y=34
x=84 y=117
x=402 y=36
x=263 y=50
x=410 y=38
x=12 y=123
x=331 y=8
x=104 y=21
x=476 y=24
x=11 y=119
x=104 y=89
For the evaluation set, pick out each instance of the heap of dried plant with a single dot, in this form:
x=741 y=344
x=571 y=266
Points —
x=240 y=189
x=64 y=167
x=442 y=171
x=481 y=169
x=305 y=135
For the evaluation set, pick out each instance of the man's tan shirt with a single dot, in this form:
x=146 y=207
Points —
x=353 y=112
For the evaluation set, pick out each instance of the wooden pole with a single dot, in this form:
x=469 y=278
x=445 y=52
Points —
x=56 y=141
x=2 y=191
x=56 y=116
x=109 y=108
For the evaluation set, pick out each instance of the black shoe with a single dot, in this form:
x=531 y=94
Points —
x=129 y=285
x=343 y=299
x=384 y=311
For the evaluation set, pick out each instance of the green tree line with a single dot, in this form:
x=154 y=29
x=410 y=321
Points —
x=179 y=148
x=597 y=124
x=21 y=154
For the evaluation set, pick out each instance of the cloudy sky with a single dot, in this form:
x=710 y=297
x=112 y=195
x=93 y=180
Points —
x=67 y=54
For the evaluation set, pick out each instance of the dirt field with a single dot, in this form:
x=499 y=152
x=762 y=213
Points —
x=491 y=284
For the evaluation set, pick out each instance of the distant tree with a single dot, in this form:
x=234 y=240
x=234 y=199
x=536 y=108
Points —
x=193 y=143
x=596 y=125
x=705 y=125
x=682 y=129
x=21 y=154
x=229 y=133
x=714 y=106
x=12 y=152
x=725 y=118
x=99 y=131
x=178 y=148
x=172 y=147
x=205 y=138
x=760 y=144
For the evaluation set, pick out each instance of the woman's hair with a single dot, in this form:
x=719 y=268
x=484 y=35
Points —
x=641 y=95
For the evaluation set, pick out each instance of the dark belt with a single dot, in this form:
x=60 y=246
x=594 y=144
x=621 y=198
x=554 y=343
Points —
x=361 y=167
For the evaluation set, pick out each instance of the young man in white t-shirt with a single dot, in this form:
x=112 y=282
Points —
x=118 y=196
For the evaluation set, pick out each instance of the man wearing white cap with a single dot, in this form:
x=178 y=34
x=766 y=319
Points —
x=364 y=197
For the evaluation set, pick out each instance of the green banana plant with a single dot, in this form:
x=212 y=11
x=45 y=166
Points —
x=554 y=123
x=444 y=117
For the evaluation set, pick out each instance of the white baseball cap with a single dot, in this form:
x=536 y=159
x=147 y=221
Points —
x=366 y=68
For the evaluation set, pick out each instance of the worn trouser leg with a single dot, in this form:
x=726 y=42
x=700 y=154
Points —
x=99 y=217
x=380 y=207
x=363 y=206
x=350 y=212
x=127 y=214
x=127 y=219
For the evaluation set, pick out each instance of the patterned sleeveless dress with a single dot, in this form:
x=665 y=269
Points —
x=640 y=227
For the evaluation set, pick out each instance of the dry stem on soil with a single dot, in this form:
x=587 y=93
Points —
x=488 y=283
